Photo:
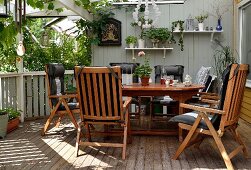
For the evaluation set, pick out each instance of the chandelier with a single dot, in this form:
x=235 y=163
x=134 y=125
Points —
x=146 y=22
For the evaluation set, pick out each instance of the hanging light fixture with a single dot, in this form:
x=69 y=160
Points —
x=146 y=23
x=4 y=8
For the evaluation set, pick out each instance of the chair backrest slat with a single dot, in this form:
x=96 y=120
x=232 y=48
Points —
x=102 y=96
x=96 y=94
x=100 y=93
x=234 y=94
x=108 y=94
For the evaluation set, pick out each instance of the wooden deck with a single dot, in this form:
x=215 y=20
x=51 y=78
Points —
x=26 y=149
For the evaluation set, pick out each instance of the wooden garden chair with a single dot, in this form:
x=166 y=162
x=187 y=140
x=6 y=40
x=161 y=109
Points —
x=214 y=122
x=100 y=100
x=58 y=98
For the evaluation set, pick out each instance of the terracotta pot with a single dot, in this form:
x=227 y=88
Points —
x=145 y=81
x=12 y=125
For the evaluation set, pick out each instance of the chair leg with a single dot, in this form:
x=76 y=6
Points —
x=59 y=121
x=87 y=126
x=124 y=143
x=78 y=139
x=188 y=137
x=129 y=131
x=70 y=113
x=239 y=140
x=219 y=144
x=47 y=124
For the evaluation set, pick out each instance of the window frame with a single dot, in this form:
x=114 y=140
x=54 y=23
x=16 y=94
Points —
x=240 y=7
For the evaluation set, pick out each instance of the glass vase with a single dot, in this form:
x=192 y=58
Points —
x=219 y=27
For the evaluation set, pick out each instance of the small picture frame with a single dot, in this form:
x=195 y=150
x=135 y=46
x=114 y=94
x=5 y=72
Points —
x=111 y=35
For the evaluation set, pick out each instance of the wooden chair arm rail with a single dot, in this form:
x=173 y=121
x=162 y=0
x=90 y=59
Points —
x=210 y=94
x=63 y=96
x=127 y=102
x=210 y=101
x=210 y=97
x=201 y=109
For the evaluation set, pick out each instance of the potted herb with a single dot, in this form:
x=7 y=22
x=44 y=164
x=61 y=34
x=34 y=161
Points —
x=3 y=123
x=178 y=26
x=131 y=41
x=157 y=35
x=200 y=20
x=13 y=118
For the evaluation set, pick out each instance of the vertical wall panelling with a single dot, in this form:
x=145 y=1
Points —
x=29 y=96
x=198 y=49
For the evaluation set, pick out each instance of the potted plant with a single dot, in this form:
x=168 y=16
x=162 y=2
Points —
x=13 y=118
x=141 y=41
x=3 y=123
x=200 y=20
x=178 y=26
x=131 y=41
x=157 y=35
x=144 y=70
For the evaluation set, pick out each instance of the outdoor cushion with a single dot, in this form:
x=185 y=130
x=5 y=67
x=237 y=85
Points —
x=202 y=75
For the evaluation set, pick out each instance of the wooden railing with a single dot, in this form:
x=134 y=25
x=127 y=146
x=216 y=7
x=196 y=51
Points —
x=28 y=92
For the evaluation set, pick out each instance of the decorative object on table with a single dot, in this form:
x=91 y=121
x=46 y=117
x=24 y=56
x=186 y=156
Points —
x=207 y=28
x=201 y=18
x=219 y=8
x=111 y=35
x=131 y=41
x=211 y=28
x=189 y=23
x=144 y=70
x=157 y=35
x=180 y=25
x=188 y=80
x=3 y=123
x=196 y=28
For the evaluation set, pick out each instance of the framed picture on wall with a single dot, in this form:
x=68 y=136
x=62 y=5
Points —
x=111 y=35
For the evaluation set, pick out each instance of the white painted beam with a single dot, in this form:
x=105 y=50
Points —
x=69 y=4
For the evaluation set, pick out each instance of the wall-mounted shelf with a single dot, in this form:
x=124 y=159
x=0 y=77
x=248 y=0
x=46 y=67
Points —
x=133 y=49
x=157 y=2
x=211 y=32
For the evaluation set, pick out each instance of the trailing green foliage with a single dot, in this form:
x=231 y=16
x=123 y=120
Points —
x=12 y=113
x=181 y=34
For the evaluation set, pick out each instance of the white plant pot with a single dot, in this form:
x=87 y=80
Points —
x=131 y=45
x=141 y=43
x=177 y=28
x=201 y=26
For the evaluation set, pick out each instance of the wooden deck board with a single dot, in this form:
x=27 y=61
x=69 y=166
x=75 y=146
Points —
x=26 y=149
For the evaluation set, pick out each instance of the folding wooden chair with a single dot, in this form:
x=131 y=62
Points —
x=100 y=99
x=214 y=122
x=58 y=99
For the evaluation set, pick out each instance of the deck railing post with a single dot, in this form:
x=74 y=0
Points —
x=20 y=88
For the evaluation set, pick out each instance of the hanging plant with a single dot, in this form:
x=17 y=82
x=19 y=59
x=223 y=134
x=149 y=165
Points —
x=180 y=33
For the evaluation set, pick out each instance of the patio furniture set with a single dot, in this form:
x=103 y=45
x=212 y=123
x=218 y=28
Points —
x=100 y=102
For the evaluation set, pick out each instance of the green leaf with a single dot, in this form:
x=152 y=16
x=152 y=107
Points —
x=51 y=6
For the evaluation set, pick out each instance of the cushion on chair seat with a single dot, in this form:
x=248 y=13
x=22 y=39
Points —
x=189 y=118
x=72 y=106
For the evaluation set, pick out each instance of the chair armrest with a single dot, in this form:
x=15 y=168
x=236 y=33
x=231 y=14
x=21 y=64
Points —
x=210 y=94
x=201 y=109
x=64 y=96
x=127 y=102
x=215 y=102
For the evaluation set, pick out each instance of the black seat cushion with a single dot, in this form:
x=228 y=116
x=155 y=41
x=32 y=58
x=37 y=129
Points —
x=72 y=106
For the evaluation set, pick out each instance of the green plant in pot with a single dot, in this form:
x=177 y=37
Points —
x=13 y=118
x=3 y=123
x=178 y=26
x=201 y=18
x=157 y=35
x=131 y=41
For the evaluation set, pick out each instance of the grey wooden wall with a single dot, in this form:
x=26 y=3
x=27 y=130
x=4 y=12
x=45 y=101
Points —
x=198 y=49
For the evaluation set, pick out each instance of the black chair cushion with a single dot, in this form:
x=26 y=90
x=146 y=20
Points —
x=128 y=68
x=71 y=106
x=189 y=119
x=174 y=70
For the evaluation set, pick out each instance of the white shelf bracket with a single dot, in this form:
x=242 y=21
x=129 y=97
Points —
x=133 y=57
x=212 y=36
x=164 y=53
